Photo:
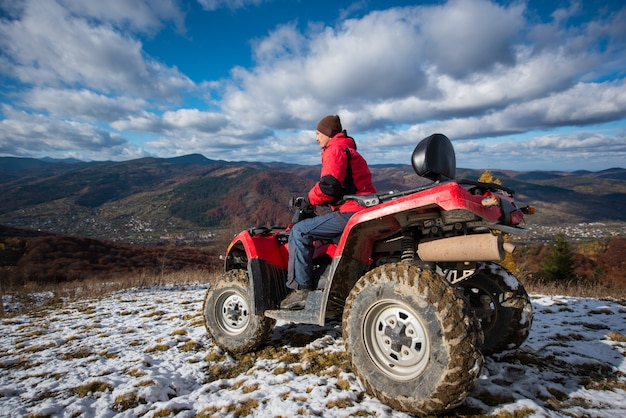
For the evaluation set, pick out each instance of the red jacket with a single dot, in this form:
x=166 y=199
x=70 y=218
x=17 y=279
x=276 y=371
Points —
x=344 y=171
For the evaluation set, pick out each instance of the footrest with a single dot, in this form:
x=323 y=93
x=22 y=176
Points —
x=311 y=314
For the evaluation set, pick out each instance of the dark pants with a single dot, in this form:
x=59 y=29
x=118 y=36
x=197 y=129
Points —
x=326 y=227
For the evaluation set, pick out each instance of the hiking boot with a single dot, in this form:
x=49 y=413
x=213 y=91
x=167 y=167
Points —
x=295 y=300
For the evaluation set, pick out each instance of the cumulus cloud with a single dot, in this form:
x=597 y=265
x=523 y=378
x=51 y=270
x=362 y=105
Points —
x=51 y=46
x=82 y=104
x=579 y=142
x=24 y=132
x=371 y=59
x=234 y=144
x=494 y=77
x=469 y=36
x=582 y=150
x=184 y=119
x=464 y=59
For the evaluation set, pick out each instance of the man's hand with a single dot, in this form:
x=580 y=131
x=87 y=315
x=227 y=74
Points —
x=302 y=202
x=299 y=202
x=304 y=208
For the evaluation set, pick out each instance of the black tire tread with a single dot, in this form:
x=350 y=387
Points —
x=515 y=301
x=462 y=337
x=260 y=326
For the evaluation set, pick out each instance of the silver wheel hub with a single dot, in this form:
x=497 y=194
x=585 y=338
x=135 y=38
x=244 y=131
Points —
x=396 y=340
x=233 y=313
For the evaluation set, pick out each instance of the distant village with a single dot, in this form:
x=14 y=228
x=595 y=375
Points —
x=139 y=228
x=143 y=233
x=578 y=232
x=134 y=230
x=191 y=236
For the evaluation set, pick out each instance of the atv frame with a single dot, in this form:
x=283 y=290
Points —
x=414 y=276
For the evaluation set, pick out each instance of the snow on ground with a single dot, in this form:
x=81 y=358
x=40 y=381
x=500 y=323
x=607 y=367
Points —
x=145 y=352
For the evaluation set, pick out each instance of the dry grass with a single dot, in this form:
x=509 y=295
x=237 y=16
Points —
x=575 y=289
x=35 y=296
x=127 y=401
x=57 y=294
x=92 y=387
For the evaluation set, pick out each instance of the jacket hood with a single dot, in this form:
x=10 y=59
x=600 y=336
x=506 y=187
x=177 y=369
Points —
x=342 y=140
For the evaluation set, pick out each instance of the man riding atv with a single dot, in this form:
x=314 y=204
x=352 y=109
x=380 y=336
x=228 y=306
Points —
x=344 y=171
x=413 y=275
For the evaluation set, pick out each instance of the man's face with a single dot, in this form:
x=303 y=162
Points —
x=322 y=139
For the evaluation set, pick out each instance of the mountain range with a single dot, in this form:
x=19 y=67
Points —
x=148 y=200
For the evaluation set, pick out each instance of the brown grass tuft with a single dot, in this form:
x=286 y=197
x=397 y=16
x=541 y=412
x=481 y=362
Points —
x=90 y=388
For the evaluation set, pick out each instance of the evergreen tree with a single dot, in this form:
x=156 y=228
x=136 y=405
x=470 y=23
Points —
x=559 y=265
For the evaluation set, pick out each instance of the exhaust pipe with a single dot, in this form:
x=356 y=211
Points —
x=481 y=247
x=509 y=248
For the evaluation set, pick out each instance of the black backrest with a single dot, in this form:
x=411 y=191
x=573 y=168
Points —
x=434 y=158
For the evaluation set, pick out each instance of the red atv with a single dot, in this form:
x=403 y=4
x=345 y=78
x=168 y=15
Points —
x=414 y=276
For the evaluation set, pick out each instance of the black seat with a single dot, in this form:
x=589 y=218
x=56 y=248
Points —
x=434 y=158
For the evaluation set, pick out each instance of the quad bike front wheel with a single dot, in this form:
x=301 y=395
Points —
x=411 y=339
x=502 y=306
x=229 y=314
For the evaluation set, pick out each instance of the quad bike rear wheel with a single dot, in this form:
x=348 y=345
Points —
x=229 y=314
x=411 y=339
x=502 y=306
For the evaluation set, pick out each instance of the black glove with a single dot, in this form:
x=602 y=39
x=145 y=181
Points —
x=304 y=208
x=299 y=202
x=303 y=202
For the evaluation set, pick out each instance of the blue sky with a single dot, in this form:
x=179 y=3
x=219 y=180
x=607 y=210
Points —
x=522 y=85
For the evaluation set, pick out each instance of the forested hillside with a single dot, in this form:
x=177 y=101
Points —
x=31 y=256
x=149 y=200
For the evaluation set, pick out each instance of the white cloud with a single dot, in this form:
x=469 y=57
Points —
x=82 y=104
x=173 y=121
x=213 y=5
x=51 y=46
x=468 y=36
x=143 y=122
x=21 y=133
x=584 y=104
x=465 y=68
x=193 y=118
x=588 y=150
x=375 y=58
x=142 y=15
x=400 y=66
x=472 y=69
x=282 y=43
x=579 y=141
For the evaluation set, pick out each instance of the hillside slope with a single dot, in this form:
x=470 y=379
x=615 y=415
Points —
x=143 y=200
x=32 y=256
x=145 y=352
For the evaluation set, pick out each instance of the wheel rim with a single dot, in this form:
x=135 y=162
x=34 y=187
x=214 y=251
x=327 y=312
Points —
x=485 y=307
x=232 y=313
x=396 y=340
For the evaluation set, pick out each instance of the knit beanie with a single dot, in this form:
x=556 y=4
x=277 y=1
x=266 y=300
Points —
x=330 y=125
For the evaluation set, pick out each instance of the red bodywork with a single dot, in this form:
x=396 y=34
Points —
x=449 y=196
